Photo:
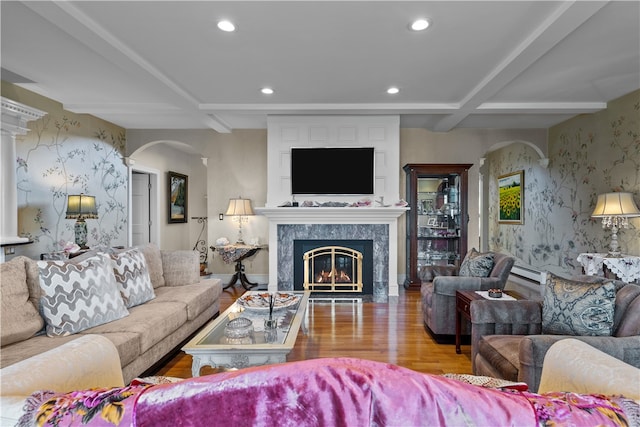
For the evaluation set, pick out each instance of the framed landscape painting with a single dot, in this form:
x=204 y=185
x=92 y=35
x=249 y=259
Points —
x=511 y=188
x=178 y=197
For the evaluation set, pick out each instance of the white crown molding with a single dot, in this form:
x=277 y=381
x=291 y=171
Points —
x=15 y=116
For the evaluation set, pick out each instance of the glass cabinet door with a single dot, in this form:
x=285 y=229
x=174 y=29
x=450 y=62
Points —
x=438 y=215
x=436 y=226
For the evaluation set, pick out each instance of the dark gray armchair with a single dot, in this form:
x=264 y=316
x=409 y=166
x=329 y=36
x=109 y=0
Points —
x=506 y=339
x=439 y=296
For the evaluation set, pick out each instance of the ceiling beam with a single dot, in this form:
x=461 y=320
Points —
x=567 y=18
x=84 y=29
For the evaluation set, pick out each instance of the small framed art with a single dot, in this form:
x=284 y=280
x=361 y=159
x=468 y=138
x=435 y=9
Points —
x=511 y=188
x=178 y=197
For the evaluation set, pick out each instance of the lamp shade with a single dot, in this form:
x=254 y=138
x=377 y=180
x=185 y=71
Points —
x=80 y=206
x=239 y=207
x=615 y=204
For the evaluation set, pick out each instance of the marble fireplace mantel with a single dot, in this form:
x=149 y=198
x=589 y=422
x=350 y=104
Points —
x=334 y=216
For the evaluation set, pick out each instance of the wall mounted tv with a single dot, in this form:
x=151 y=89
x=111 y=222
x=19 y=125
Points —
x=332 y=170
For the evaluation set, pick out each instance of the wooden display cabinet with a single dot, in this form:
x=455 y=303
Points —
x=436 y=234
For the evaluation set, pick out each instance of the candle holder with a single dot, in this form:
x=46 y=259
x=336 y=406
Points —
x=271 y=330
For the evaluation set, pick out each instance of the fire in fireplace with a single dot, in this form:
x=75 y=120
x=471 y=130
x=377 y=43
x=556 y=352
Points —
x=333 y=269
x=333 y=266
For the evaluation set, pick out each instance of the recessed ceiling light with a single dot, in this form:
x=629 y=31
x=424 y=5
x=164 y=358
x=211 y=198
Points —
x=393 y=90
x=420 y=25
x=266 y=90
x=226 y=25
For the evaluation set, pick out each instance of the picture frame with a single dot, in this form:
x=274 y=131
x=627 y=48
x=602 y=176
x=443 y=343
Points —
x=177 y=197
x=511 y=198
x=432 y=221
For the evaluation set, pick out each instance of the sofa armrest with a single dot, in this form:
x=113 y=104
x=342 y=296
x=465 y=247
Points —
x=533 y=349
x=491 y=317
x=573 y=365
x=87 y=362
x=448 y=285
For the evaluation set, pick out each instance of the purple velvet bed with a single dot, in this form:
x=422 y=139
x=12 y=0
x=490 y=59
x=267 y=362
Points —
x=324 y=392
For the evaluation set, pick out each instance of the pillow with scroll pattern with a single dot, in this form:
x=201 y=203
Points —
x=578 y=308
x=476 y=264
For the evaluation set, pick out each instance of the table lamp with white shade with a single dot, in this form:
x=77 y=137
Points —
x=239 y=209
x=615 y=209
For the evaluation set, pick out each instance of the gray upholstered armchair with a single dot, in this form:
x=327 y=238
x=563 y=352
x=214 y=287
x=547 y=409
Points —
x=439 y=296
x=507 y=340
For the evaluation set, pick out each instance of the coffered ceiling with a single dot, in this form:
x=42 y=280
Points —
x=480 y=64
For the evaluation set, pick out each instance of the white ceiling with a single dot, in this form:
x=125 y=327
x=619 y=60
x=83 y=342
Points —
x=481 y=64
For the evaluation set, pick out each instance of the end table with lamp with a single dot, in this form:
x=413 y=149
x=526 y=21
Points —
x=239 y=209
x=615 y=209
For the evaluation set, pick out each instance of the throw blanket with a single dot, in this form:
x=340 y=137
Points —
x=327 y=392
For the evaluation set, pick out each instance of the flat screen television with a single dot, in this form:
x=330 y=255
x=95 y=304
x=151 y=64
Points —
x=332 y=170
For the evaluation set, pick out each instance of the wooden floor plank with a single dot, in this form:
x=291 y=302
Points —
x=392 y=333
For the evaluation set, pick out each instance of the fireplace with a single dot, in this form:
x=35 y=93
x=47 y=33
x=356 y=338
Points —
x=333 y=265
x=379 y=225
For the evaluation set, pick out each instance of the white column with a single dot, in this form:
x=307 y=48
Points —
x=15 y=117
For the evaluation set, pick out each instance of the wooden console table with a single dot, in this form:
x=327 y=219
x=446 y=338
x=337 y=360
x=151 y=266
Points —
x=237 y=253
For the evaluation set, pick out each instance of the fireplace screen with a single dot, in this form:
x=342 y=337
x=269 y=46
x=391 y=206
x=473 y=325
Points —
x=333 y=269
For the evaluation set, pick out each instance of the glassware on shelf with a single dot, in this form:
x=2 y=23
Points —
x=439 y=194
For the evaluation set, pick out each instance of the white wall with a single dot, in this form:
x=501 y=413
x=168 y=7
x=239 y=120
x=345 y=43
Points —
x=164 y=158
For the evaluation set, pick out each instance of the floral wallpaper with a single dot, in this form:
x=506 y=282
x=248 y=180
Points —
x=66 y=153
x=589 y=155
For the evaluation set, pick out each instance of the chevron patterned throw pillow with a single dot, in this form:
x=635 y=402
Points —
x=78 y=296
x=132 y=275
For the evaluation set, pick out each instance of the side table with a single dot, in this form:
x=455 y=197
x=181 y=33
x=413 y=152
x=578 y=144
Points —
x=624 y=267
x=463 y=309
x=237 y=253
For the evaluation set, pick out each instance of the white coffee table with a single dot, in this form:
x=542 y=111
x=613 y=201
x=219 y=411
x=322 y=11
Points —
x=208 y=347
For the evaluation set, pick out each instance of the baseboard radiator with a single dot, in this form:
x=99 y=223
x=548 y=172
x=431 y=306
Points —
x=527 y=281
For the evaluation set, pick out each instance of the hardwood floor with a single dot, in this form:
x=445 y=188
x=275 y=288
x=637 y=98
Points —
x=391 y=333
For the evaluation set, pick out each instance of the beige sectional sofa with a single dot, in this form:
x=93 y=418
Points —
x=181 y=303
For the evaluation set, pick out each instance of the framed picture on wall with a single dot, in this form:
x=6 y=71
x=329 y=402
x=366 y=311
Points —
x=511 y=188
x=178 y=197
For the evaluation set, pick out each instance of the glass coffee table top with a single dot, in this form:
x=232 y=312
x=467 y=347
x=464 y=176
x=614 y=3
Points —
x=245 y=345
